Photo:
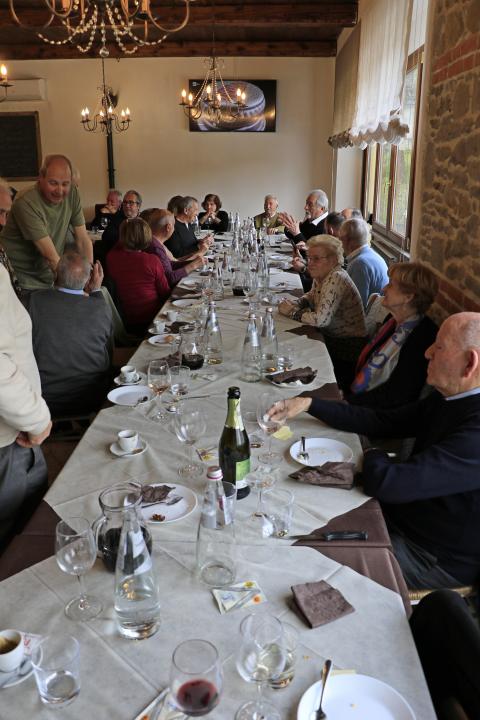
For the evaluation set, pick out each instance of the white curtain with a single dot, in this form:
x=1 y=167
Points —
x=384 y=36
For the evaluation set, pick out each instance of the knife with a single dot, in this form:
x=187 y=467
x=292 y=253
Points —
x=338 y=535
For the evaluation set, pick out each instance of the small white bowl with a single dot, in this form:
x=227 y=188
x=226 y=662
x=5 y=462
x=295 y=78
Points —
x=11 y=660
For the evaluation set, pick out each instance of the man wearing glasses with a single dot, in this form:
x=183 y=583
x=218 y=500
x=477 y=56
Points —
x=131 y=204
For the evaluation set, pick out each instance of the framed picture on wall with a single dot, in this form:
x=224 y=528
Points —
x=259 y=114
x=21 y=153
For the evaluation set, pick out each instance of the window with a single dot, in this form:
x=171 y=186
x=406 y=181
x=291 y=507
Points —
x=389 y=170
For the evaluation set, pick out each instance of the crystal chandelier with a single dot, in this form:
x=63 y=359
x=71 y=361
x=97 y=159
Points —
x=106 y=120
x=130 y=23
x=4 y=82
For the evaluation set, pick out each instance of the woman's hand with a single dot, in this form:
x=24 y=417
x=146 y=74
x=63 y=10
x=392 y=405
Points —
x=286 y=307
x=286 y=409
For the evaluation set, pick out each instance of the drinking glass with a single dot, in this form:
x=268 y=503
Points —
x=269 y=427
x=196 y=677
x=286 y=356
x=104 y=223
x=189 y=424
x=279 y=511
x=261 y=658
x=180 y=381
x=290 y=638
x=251 y=426
x=261 y=479
x=55 y=662
x=250 y=288
x=76 y=552
x=158 y=378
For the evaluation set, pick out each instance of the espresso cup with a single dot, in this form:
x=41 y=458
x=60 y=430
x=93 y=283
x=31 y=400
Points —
x=171 y=315
x=129 y=373
x=159 y=326
x=12 y=650
x=128 y=440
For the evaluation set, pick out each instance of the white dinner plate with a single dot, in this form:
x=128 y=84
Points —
x=161 y=339
x=285 y=245
x=172 y=513
x=141 y=378
x=358 y=697
x=277 y=257
x=185 y=303
x=275 y=271
x=187 y=283
x=116 y=450
x=130 y=395
x=321 y=450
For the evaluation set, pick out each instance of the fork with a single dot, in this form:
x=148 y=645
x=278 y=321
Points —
x=303 y=454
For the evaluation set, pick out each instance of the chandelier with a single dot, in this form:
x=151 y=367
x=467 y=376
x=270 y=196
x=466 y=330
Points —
x=213 y=98
x=106 y=120
x=130 y=23
x=4 y=82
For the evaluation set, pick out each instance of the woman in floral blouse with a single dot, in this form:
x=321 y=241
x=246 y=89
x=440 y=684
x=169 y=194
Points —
x=333 y=305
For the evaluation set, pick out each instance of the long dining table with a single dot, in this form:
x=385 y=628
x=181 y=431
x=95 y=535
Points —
x=121 y=677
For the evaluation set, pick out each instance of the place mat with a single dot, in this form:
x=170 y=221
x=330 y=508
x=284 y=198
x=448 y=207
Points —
x=318 y=603
x=330 y=474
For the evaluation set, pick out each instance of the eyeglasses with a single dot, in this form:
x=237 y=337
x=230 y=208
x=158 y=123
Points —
x=131 y=202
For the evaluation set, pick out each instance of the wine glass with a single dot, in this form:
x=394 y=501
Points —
x=196 y=677
x=250 y=288
x=180 y=380
x=159 y=380
x=76 y=552
x=103 y=223
x=261 y=479
x=189 y=424
x=269 y=427
x=261 y=658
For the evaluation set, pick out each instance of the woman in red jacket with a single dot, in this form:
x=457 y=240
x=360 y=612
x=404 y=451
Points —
x=139 y=277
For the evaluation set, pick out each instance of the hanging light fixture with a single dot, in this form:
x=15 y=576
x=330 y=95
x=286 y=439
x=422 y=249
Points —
x=130 y=23
x=105 y=119
x=4 y=82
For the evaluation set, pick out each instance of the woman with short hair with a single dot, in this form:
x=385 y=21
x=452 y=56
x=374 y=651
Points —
x=392 y=367
x=213 y=218
x=139 y=277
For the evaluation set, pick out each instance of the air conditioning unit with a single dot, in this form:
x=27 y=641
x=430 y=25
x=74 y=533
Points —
x=23 y=90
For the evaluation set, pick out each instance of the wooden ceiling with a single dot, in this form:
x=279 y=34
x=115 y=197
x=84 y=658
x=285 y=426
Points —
x=255 y=28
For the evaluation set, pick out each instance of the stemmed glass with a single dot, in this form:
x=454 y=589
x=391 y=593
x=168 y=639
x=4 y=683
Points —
x=159 y=380
x=261 y=658
x=196 y=677
x=269 y=427
x=261 y=479
x=180 y=380
x=76 y=552
x=189 y=424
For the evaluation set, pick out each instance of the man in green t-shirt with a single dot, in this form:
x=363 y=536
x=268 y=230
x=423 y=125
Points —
x=36 y=230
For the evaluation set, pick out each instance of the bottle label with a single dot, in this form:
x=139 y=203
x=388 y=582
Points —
x=242 y=468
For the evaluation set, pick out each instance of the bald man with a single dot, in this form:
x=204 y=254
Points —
x=36 y=231
x=431 y=501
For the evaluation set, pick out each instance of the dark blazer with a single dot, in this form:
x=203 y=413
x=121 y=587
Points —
x=109 y=238
x=183 y=241
x=307 y=230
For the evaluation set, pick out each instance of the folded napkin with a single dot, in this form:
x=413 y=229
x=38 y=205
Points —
x=172 y=359
x=155 y=493
x=175 y=326
x=330 y=474
x=319 y=603
x=306 y=375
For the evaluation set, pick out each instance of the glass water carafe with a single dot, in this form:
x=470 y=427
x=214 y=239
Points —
x=191 y=347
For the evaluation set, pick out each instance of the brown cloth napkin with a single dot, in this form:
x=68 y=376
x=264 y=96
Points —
x=155 y=493
x=175 y=326
x=305 y=375
x=172 y=359
x=330 y=474
x=319 y=603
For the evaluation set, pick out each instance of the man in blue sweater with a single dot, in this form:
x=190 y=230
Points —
x=431 y=501
x=366 y=267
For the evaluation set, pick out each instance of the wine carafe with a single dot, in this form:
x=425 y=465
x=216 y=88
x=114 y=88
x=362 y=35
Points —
x=191 y=348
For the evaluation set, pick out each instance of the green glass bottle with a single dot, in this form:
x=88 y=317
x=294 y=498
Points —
x=234 y=447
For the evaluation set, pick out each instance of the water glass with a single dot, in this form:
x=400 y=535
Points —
x=180 y=381
x=189 y=424
x=279 y=511
x=285 y=356
x=196 y=677
x=290 y=641
x=55 y=661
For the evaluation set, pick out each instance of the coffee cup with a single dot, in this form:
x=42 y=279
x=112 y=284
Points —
x=129 y=373
x=171 y=315
x=128 y=440
x=12 y=650
x=159 y=326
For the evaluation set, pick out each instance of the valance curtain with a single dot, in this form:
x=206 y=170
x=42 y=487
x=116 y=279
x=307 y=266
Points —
x=382 y=63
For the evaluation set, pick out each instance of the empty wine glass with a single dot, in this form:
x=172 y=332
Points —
x=269 y=427
x=250 y=288
x=261 y=658
x=75 y=551
x=189 y=424
x=261 y=479
x=196 y=677
x=159 y=380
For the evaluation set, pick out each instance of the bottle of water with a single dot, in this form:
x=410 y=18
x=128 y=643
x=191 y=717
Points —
x=269 y=343
x=218 y=289
x=216 y=535
x=230 y=222
x=136 y=600
x=236 y=223
x=212 y=338
x=252 y=352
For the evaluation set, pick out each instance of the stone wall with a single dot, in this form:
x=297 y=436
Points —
x=449 y=229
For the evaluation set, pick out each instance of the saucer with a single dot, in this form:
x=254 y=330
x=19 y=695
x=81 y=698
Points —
x=116 y=450
x=119 y=381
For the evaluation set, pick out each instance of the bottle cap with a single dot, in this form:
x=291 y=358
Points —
x=233 y=392
x=214 y=472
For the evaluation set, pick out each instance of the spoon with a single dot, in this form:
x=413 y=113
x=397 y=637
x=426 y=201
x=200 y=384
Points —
x=320 y=714
x=22 y=669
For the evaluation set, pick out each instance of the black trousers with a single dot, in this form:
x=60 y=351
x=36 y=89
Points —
x=448 y=643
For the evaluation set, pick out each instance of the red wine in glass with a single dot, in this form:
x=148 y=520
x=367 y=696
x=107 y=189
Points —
x=197 y=697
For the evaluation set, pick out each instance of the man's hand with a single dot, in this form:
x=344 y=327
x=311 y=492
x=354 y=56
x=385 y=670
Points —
x=290 y=223
x=209 y=239
x=202 y=246
x=301 y=246
x=27 y=440
x=95 y=280
x=286 y=409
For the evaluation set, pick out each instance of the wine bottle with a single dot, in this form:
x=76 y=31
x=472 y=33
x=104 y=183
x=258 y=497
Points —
x=234 y=446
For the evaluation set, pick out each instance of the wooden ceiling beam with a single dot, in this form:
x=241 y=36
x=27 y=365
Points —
x=177 y=48
x=258 y=15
